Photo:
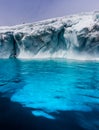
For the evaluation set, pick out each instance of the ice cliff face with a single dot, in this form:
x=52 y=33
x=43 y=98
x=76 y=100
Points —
x=59 y=37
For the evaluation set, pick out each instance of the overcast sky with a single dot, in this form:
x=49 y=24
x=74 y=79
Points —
x=18 y=11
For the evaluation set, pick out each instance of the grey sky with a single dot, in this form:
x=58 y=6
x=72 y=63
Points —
x=18 y=11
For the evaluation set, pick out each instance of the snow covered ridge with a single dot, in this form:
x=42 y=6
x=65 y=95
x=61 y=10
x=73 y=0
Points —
x=58 y=37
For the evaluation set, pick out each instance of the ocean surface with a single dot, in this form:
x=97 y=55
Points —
x=49 y=94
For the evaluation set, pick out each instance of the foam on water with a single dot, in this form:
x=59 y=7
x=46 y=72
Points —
x=58 y=55
x=42 y=55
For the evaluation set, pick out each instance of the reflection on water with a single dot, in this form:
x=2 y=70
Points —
x=50 y=86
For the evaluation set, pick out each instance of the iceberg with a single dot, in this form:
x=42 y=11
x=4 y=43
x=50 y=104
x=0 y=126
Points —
x=60 y=37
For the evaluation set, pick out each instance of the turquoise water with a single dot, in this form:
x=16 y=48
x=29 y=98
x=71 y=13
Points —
x=49 y=87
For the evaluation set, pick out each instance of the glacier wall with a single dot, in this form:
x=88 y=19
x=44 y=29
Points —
x=59 y=37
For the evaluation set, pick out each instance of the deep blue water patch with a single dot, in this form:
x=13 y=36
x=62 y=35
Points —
x=49 y=88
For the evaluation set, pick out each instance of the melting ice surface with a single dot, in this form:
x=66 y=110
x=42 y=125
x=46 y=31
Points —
x=51 y=86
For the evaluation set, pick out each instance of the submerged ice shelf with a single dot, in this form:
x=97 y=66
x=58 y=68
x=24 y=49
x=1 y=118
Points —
x=61 y=37
x=49 y=87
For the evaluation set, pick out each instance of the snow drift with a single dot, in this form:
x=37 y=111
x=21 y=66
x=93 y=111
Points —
x=59 y=37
